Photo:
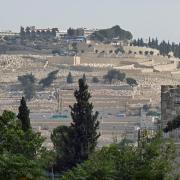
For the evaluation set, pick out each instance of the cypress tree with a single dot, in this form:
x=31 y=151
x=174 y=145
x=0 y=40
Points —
x=141 y=42
x=84 y=77
x=85 y=123
x=149 y=42
x=23 y=115
x=75 y=143
x=69 y=79
x=156 y=44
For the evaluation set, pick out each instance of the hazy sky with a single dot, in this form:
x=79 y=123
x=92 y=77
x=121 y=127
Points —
x=143 y=18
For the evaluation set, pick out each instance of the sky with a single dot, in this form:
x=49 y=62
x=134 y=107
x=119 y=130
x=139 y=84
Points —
x=144 y=18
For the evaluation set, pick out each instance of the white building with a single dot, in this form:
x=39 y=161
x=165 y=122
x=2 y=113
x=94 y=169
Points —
x=8 y=33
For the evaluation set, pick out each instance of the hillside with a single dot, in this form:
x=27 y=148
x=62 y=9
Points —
x=109 y=34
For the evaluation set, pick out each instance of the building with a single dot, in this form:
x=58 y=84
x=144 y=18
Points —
x=61 y=34
x=8 y=33
x=170 y=103
x=64 y=60
x=88 y=32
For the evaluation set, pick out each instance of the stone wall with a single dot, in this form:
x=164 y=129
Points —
x=165 y=67
x=61 y=60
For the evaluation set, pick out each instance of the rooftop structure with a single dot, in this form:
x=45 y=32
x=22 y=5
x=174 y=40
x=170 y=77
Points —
x=8 y=33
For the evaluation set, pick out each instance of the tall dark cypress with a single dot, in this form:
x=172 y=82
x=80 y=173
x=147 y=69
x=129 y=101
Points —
x=85 y=123
x=23 y=115
x=84 y=77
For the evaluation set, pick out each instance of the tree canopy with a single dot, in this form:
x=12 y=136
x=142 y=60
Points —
x=22 y=154
x=32 y=33
x=28 y=84
x=95 y=80
x=46 y=82
x=132 y=82
x=111 y=33
x=114 y=75
x=23 y=115
x=126 y=161
x=164 y=47
x=69 y=78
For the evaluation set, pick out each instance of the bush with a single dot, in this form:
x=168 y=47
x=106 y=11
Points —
x=151 y=53
x=130 y=52
x=146 y=107
x=69 y=78
x=114 y=74
x=46 y=82
x=28 y=84
x=84 y=78
x=120 y=49
x=95 y=80
x=22 y=153
x=146 y=53
x=132 y=82
x=150 y=161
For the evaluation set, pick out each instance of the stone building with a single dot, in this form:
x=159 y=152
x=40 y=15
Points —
x=170 y=103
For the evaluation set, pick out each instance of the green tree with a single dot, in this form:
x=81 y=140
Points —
x=96 y=51
x=28 y=84
x=146 y=107
x=46 y=82
x=130 y=52
x=110 y=34
x=114 y=74
x=74 y=144
x=146 y=53
x=110 y=51
x=132 y=82
x=75 y=47
x=84 y=78
x=54 y=32
x=85 y=123
x=22 y=32
x=151 y=53
x=119 y=49
x=62 y=138
x=69 y=78
x=22 y=154
x=28 y=32
x=95 y=80
x=140 y=52
x=152 y=161
x=23 y=115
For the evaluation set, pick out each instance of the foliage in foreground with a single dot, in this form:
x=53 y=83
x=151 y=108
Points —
x=95 y=80
x=152 y=161
x=21 y=152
